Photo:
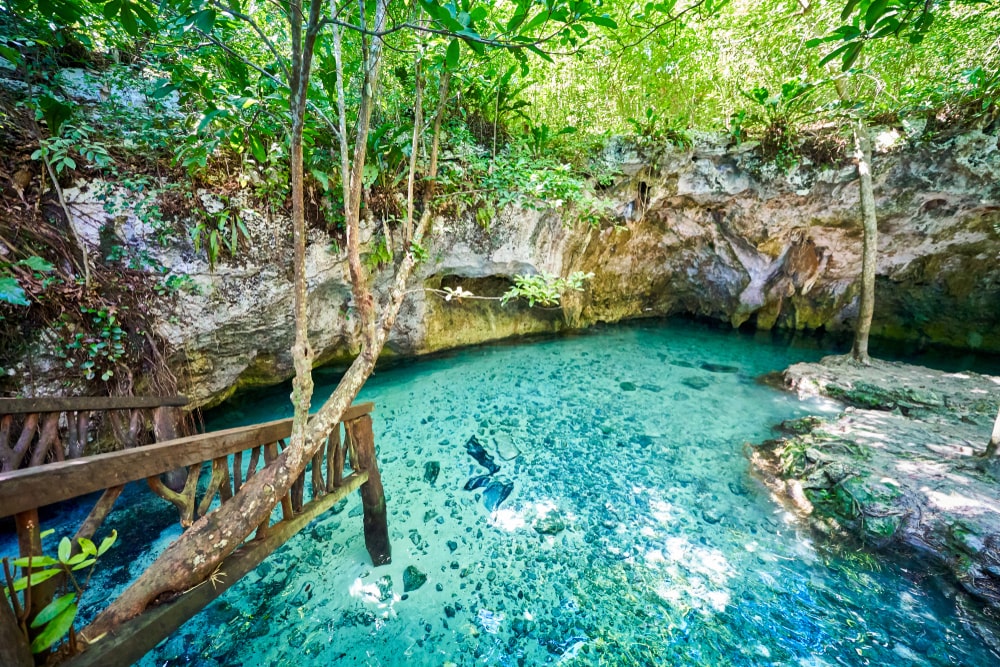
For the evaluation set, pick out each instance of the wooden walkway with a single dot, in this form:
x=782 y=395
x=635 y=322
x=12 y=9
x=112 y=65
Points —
x=345 y=464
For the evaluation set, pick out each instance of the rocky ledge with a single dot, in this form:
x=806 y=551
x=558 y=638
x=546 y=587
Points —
x=900 y=468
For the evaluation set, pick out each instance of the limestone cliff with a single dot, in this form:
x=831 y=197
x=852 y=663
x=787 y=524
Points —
x=710 y=231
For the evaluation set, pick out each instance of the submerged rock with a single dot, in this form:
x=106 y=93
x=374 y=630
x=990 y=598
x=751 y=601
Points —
x=477 y=482
x=696 y=382
x=718 y=368
x=496 y=493
x=550 y=524
x=413 y=579
x=506 y=446
x=479 y=453
x=431 y=471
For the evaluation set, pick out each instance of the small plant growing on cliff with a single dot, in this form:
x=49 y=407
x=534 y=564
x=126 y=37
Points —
x=544 y=289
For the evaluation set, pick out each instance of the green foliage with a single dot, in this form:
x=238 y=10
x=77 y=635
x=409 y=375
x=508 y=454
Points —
x=378 y=256
x=97 y=351
x=776 y=117
x=544 y=289
x=217 y=232
x=11 y=291
x=73 y=140
x=654 y=131
x=57 y=617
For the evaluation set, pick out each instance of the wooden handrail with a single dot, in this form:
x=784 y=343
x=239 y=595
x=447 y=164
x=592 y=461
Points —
x=27 y=489
x=20 y=406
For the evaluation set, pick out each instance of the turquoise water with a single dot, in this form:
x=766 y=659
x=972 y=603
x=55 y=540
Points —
x=621 y=527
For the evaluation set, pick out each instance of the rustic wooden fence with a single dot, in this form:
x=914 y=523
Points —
x=345 y=464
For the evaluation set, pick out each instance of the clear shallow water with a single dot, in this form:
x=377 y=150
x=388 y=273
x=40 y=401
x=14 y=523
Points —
x=632 y=534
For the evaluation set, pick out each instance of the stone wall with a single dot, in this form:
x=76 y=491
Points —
x=711 y=231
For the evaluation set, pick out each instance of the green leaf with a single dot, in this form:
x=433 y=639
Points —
x=111 y=8
x=36 y=561
x=107 y=542
x=851 y=55
x=322 y=177
x=144 y=16
x=833 y=54
x=9 y=54
x=454 y=52
x=35 y=578
x=76 y=559
x=849 y=8
x=515 y=21
x=53 y=609
x=604 y=21
x=875 y=12
x=204 y=20
x=539 y=18
x=83 y=564
x=163 y=91
x=128 y=21
x=55 y=629
x=46 y=533
x=55 y=113
x=12 y=293
x=65 y=549
x=257 y=148
x=538 y=52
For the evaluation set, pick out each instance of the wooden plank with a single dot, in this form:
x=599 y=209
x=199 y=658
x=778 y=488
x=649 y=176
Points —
x=137 y=637
x=20 y=406
x=30 y=488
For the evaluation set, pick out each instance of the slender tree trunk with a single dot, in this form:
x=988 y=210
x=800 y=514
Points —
x=418 y=121
x=869 y=224
x=869 y=258
x=993 y=449
x=443 y=88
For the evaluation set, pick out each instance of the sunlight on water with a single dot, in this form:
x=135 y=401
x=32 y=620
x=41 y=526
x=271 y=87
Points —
x=622 y=527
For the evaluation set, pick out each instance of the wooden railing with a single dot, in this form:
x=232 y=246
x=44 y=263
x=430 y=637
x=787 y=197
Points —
x=234 y=455
x=34 y=431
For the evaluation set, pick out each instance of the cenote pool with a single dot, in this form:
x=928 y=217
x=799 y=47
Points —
x=632 y=534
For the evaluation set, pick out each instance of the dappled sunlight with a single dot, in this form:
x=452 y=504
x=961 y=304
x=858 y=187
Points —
x=373 y=594
x=955 y=502
x=929 y=468
x=507 y=519
x=950 y=449
x=697 y=576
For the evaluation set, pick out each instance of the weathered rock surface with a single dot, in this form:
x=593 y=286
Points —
x=708 y=231
x=901 y=471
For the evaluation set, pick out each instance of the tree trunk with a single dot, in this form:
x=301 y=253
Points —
x=869 y=257
x=869 y=225
x=418 y=121
x=993 y=449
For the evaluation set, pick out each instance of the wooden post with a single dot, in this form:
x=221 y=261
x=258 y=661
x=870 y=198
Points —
x=334 y=460
x=372 y=495
x=14 y=649
x=165 y=421
x=318 y=485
